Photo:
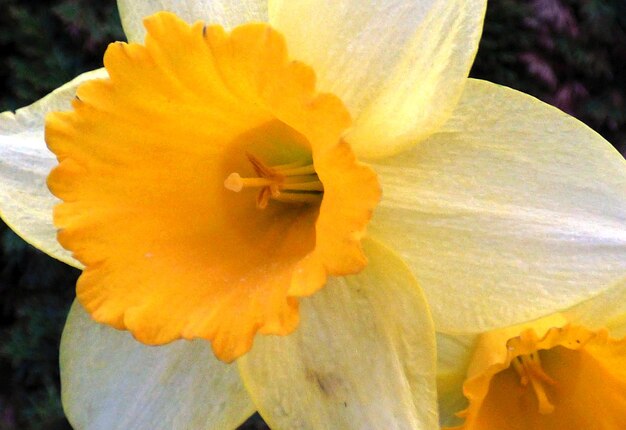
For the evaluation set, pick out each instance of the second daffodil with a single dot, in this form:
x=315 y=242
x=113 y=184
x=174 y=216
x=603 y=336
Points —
x=210 y=179
x=560 y=372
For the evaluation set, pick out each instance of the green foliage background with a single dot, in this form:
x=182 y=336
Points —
x=567 y=52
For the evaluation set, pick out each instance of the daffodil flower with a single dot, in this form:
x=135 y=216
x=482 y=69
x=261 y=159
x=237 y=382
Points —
x=211 y=179
x=563 y=371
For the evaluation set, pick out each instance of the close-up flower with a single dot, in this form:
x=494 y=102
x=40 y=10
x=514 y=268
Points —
x=305 y=190
x=563 y=371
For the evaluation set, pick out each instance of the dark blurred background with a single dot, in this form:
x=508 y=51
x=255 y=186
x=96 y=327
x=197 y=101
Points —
x=570 y=53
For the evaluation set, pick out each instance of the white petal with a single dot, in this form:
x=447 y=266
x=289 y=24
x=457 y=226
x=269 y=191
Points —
x=399 y=66
x=228 y=13
x=112 y=382
x=363 y=356
x=25 y=161
x=513 y=211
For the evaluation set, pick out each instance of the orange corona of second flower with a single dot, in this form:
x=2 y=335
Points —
x=567 y=377
x=205 y=186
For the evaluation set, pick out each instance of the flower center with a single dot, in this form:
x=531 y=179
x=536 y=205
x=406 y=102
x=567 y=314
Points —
x=295 y=182
x=529 y=369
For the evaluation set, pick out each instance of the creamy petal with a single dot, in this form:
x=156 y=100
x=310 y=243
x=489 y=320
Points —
x=363 y=356
x=514 y=210
x=25 y=161
x=399 y=66
x=228 y=13
x=110 y=381
x=605 y=310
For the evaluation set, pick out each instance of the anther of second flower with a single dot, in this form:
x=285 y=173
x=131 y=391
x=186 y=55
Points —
x=295 y=182
x=529 y=369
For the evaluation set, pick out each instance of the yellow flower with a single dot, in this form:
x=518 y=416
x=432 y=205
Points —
x=563 y=371
x=151 y=173
x=210 y=185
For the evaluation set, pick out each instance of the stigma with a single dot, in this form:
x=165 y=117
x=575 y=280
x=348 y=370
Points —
x=295 y=182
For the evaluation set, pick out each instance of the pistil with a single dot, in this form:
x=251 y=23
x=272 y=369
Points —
x=295 y=182
x=529 y=369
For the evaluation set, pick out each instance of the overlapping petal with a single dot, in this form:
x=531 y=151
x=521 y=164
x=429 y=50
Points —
x=363 y=356
x=25 y=161
x=113 y=382
x=513 y=210
x=399 y=66
x=399 y=95
x=227 y=13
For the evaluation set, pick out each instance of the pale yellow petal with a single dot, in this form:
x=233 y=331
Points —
x=514 y=210
x=606 y=310
x=363 y=356
x=112 y=382
x=25 y=161
x=399 y=66
x=227 y=13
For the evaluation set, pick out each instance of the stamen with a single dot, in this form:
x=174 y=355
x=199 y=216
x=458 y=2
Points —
x=303 y=186
x=300 y=178
x=530 y=370
x=295 y=182
x=304 y=170
x=298 y=163
x=299 y=198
